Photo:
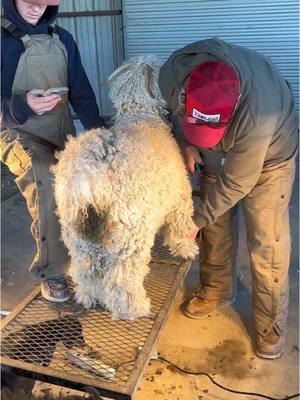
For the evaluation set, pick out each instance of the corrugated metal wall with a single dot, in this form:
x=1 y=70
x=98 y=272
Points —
x=269 y=26
x=100 y=41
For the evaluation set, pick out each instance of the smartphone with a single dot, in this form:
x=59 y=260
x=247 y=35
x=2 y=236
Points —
x=58 y=90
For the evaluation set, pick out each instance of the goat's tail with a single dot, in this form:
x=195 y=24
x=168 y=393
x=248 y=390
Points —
x=84 y=209
x=91 y=224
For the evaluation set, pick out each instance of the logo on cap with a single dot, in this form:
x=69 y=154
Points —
x=204 y=117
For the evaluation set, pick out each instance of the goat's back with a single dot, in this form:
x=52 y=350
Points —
x=137 y=164
x=148 y=156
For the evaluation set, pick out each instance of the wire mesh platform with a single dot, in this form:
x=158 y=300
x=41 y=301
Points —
x=39 y=338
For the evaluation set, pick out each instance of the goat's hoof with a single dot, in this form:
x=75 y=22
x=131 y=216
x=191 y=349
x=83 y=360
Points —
x=139 y=310
x=186 y=249
x=85 y=299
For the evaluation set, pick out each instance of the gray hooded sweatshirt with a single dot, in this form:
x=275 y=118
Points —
x=262 y=132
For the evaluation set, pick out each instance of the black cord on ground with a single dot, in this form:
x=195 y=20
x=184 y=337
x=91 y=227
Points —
x=221 y=386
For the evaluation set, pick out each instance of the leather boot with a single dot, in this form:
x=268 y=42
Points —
x=269 y=346
x=197 y=307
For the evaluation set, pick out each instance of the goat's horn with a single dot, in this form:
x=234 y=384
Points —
x=116 y=73
x=147 y=74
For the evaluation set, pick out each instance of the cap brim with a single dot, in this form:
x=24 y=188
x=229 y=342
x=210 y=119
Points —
x=203 y=135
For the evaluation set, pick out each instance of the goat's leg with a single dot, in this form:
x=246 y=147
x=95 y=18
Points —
x=85 y=266
x=123 y=291
x=88 y=281
x=84 y=288
x=177 y=225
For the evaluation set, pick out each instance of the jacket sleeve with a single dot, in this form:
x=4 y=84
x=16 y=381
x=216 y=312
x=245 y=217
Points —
x=81 y=94
x=241 y=170
x=14 y=111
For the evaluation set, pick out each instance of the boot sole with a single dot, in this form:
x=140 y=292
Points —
x=269 y=356
x=226 y=303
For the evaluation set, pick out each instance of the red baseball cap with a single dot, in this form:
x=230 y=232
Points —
x=43 y=2
x=211 y=95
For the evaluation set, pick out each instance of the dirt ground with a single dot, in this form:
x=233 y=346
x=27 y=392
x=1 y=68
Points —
x=8 y=186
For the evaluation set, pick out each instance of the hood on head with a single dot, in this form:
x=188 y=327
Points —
x=10 y=12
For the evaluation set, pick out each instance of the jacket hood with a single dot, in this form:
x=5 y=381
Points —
x=10 y=12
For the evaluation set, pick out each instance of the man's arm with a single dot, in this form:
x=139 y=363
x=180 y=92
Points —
x=240 y=172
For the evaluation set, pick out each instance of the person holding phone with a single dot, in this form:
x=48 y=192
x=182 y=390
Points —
x=37 y=56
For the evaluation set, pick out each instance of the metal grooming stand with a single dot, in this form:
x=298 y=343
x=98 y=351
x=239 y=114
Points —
x=37 y=335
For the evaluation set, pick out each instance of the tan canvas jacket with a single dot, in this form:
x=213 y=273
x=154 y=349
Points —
x=262 y=132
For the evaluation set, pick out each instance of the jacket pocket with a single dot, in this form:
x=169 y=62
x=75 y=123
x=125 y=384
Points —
x=14 y=154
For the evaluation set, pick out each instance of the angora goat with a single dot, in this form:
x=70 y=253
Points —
x=115 y=188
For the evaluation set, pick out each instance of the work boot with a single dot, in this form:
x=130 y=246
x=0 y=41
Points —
x=55 y=289
x=269 y=346
x=197 y=307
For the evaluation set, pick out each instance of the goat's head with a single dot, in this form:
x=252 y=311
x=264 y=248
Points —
x=134 y=88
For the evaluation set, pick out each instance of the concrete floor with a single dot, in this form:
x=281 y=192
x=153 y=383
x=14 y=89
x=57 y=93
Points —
x=219 y=344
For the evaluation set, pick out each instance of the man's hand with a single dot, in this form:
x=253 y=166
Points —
x=192 y=156
x=40 y=104
x=193 y=232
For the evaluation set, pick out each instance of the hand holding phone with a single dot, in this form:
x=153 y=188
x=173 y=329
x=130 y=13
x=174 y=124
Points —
x=40 y=103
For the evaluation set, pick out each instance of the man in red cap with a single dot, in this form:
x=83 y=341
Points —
x=37 y=55
x=233 y=113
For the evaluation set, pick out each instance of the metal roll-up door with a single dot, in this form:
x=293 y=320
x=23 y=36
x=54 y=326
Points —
x=96 y=26
x=270 y=27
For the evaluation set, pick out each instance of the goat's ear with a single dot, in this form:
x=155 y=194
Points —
x=148 y=76
x=115 y=73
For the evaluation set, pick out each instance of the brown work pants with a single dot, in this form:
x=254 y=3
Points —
x=268 y=236
x=30 y=158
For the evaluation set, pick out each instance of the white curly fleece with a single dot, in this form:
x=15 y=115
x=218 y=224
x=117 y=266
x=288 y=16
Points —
x=116 y=188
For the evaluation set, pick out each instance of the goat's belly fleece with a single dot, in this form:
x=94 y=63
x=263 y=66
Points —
x=115 y=188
